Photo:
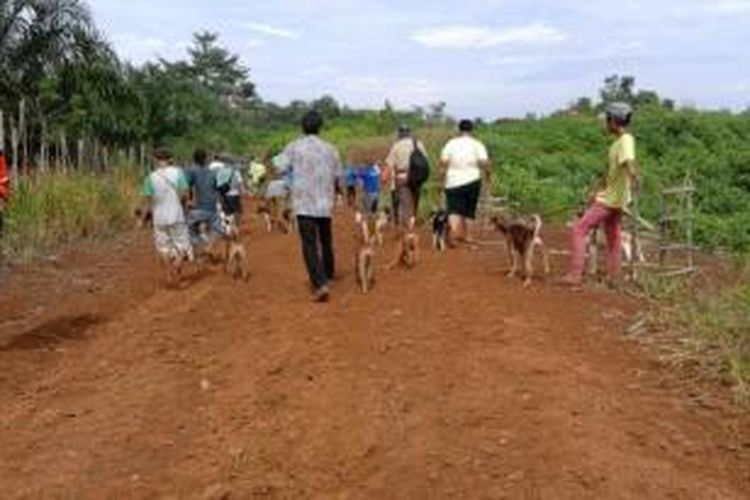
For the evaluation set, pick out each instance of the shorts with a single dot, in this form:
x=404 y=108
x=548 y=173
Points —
x=231 y=205
x=370 y=203
x=173 y=241
x=463 y=200
x=198 y=217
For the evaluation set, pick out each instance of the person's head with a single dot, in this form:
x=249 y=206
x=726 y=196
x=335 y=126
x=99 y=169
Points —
x=466 y=126
x=404 y=131
x=312 y=123
x=162 y=157
x=200 y=157
x=618 y=116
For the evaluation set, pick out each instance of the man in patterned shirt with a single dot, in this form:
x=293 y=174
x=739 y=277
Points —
x=316 y=169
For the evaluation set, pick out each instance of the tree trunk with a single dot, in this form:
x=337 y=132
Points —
x=105 y=158
x=143 y=156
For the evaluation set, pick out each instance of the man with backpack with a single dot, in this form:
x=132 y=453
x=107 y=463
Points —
x=408 y=162
x=165 y=192
x=229 y=185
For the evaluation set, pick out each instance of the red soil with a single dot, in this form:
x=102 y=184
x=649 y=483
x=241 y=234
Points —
x=448 y=381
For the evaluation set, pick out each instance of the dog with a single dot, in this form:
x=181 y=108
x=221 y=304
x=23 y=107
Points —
x=144 y=218
x=522 y=237
x=630 y=247
x=381 y=223
x=407 y=254
x=439 y=230
x=236 y=262
x=276 y=215
x=364 y=260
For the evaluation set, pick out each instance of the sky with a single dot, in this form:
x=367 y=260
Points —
x=484 y=58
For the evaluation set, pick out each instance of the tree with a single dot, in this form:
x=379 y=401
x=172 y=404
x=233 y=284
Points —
x=618 y=89
x=327 y=106
x=583 y=105
x=647 y=98
x=220 y=71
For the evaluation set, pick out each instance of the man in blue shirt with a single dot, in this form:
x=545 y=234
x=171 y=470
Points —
x=370 y=179
x=203 y=198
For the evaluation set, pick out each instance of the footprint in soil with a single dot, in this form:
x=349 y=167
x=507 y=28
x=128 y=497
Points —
x=54 y=332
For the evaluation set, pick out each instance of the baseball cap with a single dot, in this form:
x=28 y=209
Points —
x=619 y=110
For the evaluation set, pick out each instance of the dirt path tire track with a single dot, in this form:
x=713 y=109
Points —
x=450 y=381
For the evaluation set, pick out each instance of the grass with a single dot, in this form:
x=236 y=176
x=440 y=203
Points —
x=711 y=322
x=48 y=210
x=720 y=322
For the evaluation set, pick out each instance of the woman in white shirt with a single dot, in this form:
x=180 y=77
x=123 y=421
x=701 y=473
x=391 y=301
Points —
x=464 y=159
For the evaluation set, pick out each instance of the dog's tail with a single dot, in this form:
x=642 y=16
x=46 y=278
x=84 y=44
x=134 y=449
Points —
x=536 y=225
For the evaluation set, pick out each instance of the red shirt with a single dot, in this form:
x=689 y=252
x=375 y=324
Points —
x=4 y=179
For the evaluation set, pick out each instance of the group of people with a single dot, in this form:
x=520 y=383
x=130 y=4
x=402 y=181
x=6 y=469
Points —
x=311 y=176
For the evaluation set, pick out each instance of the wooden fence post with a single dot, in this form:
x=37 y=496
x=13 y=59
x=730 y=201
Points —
x=81 y=152
x=44 y=150
x=14 y=145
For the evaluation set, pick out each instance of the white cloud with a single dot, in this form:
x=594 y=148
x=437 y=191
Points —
x=139 y=49
x=476 y=37
x=273 y=31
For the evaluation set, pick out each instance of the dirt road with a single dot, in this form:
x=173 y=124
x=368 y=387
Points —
x=450 y=381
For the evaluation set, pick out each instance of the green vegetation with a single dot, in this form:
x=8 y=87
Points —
x=59 y=208
x=548 y=164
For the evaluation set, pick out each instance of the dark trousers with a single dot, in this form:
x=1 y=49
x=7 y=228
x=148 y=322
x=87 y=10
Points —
x=317 y=249
x=395 y=207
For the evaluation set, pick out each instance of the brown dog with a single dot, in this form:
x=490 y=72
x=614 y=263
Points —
x=408 y=249
x=144 y=218
x=522 y=237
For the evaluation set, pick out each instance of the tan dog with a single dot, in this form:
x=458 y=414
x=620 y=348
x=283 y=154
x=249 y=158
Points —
x=236 y=262
x=276 y=215
x=381 y=224
x=364 y=260
x=522 y=237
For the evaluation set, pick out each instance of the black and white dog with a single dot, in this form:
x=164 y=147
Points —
x=439 y=229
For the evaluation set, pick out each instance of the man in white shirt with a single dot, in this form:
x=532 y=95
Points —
x=165 y=190
x=464 y=162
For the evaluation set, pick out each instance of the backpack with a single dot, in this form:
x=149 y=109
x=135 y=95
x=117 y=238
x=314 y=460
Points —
x=419 y=168
x=224 y=178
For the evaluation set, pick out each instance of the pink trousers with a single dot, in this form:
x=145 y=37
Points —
x=596 y=215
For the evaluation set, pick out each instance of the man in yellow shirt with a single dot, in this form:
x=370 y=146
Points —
x=610 y=198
